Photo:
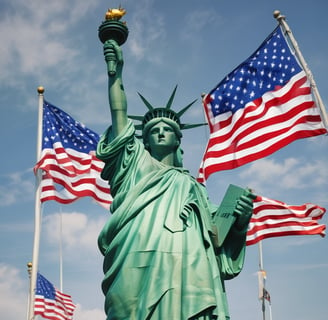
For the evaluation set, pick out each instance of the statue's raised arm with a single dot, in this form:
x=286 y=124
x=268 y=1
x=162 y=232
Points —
x=117 y=98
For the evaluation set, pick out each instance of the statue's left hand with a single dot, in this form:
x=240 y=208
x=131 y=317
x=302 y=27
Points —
x=244 y=210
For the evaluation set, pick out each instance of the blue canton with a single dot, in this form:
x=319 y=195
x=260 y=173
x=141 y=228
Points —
x=45 y=288
x=273 y=64
x=58 y=126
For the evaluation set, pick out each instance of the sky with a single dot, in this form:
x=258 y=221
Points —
x=190 y=43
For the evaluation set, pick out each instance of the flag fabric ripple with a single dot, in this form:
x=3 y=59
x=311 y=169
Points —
x=70 y=167
x=51 y=303
x=260 y=107
x=273 y=218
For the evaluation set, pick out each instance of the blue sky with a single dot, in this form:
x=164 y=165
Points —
x=190 y=43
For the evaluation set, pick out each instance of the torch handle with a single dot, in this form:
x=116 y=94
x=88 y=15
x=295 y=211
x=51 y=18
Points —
x=110 y=58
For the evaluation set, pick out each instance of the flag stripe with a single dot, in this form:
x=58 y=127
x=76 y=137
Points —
x=69 y=195
x=260 y=107
x=272 y=218
x=70 y=168
x=250 y=138
x=257 y=109
x=50 y=303
x=282 y=233
x=71 y=160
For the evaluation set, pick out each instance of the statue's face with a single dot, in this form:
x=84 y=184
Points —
x=162 y=137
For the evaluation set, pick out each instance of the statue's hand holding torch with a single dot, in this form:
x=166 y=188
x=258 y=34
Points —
x=113 y=33
x=113 y=57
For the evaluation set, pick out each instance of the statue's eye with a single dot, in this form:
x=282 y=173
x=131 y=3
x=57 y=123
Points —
x=154 y=131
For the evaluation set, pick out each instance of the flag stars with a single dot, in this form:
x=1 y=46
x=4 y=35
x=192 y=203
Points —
x=270 y=66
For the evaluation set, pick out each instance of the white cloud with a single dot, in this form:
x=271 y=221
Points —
x=13 y=293
x=16 y=186
x=14 y=297
x=291 y=173
x=85 y=314
x=36 y=37
x=196 y=22
x=147 y=30
x=78 y=231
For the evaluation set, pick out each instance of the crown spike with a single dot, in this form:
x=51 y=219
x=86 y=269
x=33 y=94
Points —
x=190 y=126
x=165 y=112
x=148 y=105
x=139 y=118
x=169 y=103
x=182 y=111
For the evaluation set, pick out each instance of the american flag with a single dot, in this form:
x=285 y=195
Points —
x=263 y=293
x=70 y=167
x=273 y=218
x=51 y=303
x=260 y=107
x=266 y=295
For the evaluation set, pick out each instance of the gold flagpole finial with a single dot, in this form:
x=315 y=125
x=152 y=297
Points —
x=40 y=90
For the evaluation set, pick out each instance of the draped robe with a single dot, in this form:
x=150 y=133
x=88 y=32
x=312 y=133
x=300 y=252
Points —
x=159 y=260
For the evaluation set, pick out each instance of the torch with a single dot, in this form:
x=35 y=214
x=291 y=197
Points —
x=113 y=29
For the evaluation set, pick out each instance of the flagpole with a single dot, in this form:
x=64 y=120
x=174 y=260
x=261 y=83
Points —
x=29 y=270
x=60 y=250
x=261 y=270
x=37 y=210
x=282 y=21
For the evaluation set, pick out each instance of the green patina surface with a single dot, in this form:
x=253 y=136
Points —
x=164 y=257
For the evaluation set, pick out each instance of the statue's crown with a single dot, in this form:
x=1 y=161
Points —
x=164 y=113
x=161 y=113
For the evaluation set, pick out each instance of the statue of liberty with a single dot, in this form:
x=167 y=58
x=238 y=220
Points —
x=162 y=259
